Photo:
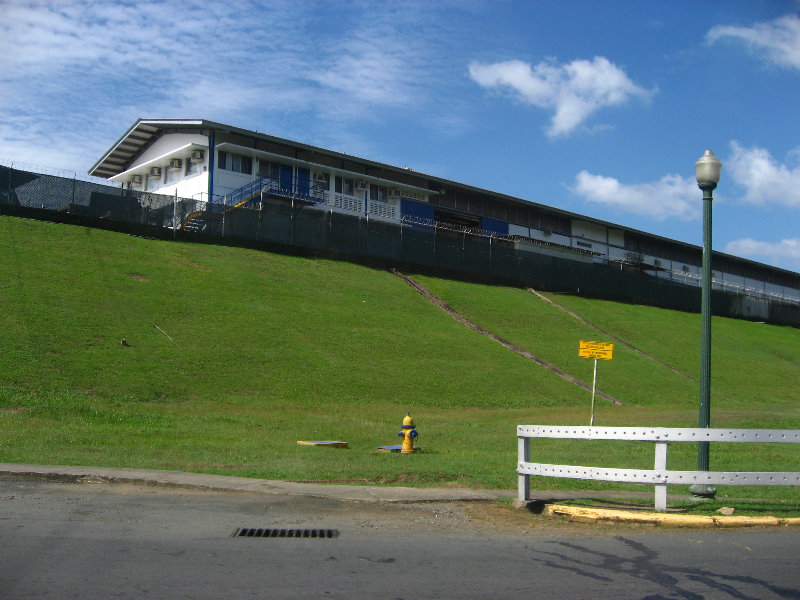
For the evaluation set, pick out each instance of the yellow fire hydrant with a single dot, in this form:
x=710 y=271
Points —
x=409 y=434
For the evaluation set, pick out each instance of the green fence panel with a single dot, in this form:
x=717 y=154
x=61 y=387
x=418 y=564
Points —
x=382 y=240
x=448 y=248
x=310 y=228
x=242 y=223
x=476 y=257
x=94 y=204
x=276 y=223
x=504 y=259
x=417 y=247
x=345 y=233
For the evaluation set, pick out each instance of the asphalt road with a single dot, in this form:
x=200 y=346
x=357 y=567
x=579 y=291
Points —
x=100 y=540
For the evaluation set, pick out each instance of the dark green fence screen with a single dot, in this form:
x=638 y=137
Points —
x=298 y=225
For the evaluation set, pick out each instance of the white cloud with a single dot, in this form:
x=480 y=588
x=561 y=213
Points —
x=354 y=73
x=671 y=196
x=574 y=91
x=74 y=63
x=765 y=181
x=778 y=40
x=785 y=252
x=95 y=47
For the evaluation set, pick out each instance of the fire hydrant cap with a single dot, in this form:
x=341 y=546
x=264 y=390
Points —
x=408 y=422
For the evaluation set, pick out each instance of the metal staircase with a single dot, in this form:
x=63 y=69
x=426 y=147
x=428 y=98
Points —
x=248 y=194
x=196 y=222
x=251 y=192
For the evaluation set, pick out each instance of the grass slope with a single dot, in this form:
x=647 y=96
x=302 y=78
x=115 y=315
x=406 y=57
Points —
x=233 y=355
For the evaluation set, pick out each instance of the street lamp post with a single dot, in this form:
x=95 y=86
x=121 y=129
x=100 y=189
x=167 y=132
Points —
x=707 y=170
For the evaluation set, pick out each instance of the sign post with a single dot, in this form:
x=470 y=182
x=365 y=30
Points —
x=595 y=350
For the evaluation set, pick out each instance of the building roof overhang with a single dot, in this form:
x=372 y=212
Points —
x=141 y=134
x=143 y=168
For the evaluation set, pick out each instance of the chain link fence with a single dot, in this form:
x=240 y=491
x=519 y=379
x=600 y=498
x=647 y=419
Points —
x=326 y=229
x=75 y=196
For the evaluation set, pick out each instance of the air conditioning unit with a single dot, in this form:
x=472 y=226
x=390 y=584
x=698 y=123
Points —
x=155 y=171
x=197 y=156
x=136 y=180
x=175 y=163
x=319 y=177
x=361 y=185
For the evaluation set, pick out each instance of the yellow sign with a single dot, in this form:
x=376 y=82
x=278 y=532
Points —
x=601 y=350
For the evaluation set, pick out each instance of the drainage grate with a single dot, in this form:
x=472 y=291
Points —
x=285 y=533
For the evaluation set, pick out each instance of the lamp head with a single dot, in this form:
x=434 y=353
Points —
x=707 y=170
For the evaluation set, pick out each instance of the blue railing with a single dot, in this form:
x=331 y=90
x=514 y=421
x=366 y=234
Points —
x=251 y=192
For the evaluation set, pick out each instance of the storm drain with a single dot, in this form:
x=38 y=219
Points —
x=285 y=533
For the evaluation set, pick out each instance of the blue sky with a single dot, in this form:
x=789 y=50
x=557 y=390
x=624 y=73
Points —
x=599 y=108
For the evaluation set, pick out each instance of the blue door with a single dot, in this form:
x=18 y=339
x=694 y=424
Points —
x=303 y=182
x=286 y=176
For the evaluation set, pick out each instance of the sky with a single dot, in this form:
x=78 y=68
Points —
x=600 y=108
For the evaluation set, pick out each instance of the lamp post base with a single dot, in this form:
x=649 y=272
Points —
x=703 y=492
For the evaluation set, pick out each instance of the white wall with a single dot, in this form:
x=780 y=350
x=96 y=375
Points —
x=226 y=181
x=591 y=231
x=195 y=186
x=617 y=254
x=519 y=230
x=616 y=237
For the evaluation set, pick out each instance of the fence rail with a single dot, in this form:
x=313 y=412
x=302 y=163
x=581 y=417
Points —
x=659 y=476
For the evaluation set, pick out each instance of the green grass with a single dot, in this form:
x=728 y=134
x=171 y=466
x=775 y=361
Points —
x=753 y=364
x=233 y=355
x=528 y=321
x=246 y=326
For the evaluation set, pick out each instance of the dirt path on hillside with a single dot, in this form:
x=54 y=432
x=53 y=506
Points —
x=518 y=349
x=613 y=337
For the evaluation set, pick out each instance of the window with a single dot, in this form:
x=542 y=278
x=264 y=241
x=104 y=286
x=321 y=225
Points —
x=344 y=186
x=243 y=164
x=237 y=163
x=379 y=193
x=322 y=181
x=192 y=167
x=269 y=169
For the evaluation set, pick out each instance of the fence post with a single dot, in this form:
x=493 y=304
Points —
x=523 y=481
x=660 y=467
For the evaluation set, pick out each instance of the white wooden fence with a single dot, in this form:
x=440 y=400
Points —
x=659 y=476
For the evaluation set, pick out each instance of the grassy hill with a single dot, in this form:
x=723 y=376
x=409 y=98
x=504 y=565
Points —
x=232 y=355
